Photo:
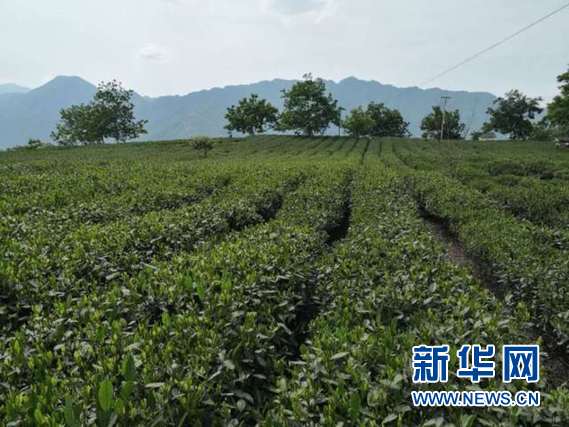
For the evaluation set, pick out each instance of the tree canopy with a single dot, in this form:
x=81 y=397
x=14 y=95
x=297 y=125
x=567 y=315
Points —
x=308 y=109
x=79 y=124
x=252 y=115
x=513 y=115
x=433 y=123
x=358 y=123
x=386 y=121
x=109 y=115
x=558 y=109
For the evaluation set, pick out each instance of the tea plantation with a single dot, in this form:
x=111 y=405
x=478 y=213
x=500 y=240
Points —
x=279 y=281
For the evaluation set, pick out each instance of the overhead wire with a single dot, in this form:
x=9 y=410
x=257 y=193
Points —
x=494 y=45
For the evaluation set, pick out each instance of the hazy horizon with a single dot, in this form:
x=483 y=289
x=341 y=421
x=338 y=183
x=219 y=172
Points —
x=174 y=47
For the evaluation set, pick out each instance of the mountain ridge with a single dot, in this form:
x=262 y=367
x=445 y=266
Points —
x=34 y=114
x=12 y=88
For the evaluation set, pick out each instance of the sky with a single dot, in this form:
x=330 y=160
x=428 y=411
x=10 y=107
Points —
x=162 y=47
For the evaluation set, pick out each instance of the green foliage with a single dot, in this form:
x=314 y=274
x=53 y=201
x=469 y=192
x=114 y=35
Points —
x=308 y=110
x=115 y=111
x=34 y=144
x=387 y=122
x=79 y=125
x=281 y=281
x=544 y=131
x=358 y=123
x=109 y=115
x=476 y=135
x=513 y=115
x=252 y=115
x=433 y=124
x=203 y=144
x=558 y=109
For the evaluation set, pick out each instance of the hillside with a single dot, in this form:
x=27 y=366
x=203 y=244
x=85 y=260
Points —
x=35 y=113
x=281 y=281
x=12 y=88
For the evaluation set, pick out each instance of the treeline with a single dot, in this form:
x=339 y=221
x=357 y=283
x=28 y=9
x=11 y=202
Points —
x=308 y=109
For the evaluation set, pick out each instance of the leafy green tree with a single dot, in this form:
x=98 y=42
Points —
x=544 y=131
x=387 y=122
x=358 y=123
x=480 y=135
x=115 y=109
x=34 y=144
x=252 y=115
x=476 y=135
x=109 y=115
x=432 y=125
x=513 y=115
x=308 y=110
x=203 y=144
x=558 y=109
x=78 y=125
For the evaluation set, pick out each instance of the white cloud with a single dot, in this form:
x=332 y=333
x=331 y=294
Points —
x=296 y=7
x=153 y=52
x=291 y=12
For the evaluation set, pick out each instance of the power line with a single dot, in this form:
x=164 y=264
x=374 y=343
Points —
x=495 y=45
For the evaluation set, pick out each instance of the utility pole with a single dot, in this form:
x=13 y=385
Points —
x=445 y=100
x=340 y=121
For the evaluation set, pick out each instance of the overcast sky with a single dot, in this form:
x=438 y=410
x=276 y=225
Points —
x=160 y=47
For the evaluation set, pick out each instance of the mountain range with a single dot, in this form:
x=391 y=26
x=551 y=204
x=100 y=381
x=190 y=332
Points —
x=34 y=113
x=12 y=88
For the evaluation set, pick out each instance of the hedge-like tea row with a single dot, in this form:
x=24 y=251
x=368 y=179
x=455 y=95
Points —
x=536 y=190
x=530 y=263
x=516 y=254
x=390 y=287
x=38 y=270
x=80 y=186
x=198 y=338
x=254 y=288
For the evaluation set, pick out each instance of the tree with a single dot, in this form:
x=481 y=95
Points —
x=115 y=109
x=308 y=110
x=479 y=135
x=543 y=131
x=34 y=144
x=513 y=115
x=432 y=125
x=358 y=123
x=387 y=122
x=109 y=115
x=476 y=135
x=78 y=125
x=558 y=109
x=202 y=143
x=252 y=115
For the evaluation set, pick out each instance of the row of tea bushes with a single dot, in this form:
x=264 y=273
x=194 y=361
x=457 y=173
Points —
x=195 y=340
x=389 y=286
x=35 y=271
x=66 y=185
x=527 y=263
x=518 y=255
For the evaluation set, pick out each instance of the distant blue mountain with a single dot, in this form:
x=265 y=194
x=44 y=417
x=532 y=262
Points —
x=12 y=88
x=35 y=113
